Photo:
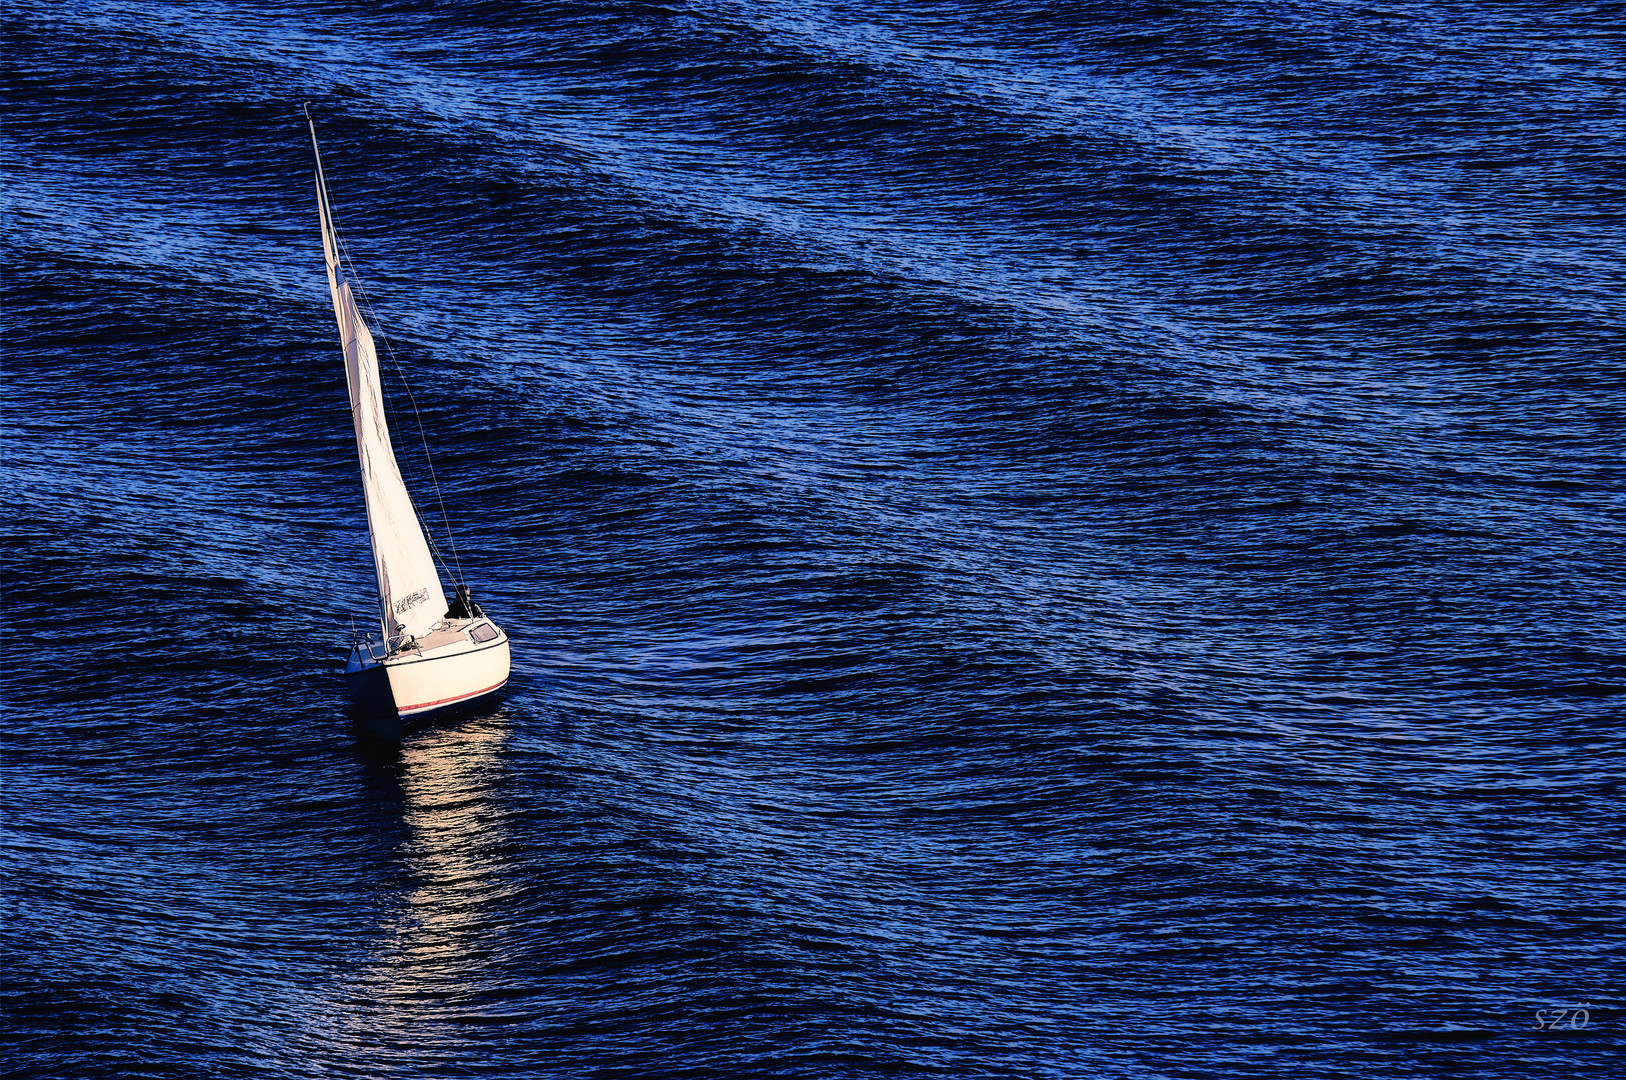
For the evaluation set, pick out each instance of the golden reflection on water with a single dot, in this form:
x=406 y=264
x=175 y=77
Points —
x=425 y=978
x=439 y=937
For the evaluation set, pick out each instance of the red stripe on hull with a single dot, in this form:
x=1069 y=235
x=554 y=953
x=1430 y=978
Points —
x=412 y=709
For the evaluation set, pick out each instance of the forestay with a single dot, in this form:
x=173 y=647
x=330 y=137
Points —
x=409 y=589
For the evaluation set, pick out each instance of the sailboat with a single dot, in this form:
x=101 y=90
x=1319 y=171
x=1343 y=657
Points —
x=430 y=654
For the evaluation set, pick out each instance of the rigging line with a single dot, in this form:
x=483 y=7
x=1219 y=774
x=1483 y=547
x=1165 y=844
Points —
x=456 y=568
x=434 y=548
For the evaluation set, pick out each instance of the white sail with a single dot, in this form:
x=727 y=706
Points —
x=409 y=589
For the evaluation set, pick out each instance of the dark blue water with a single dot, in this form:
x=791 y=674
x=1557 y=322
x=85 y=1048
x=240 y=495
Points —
x=1041 y=540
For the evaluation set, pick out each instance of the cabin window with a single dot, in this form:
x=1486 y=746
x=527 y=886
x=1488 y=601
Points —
x=484 y=632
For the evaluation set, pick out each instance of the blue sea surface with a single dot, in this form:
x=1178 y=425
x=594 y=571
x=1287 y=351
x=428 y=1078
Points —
x=1040 y=540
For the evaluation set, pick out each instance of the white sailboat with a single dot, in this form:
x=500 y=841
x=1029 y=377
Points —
x=429 y=655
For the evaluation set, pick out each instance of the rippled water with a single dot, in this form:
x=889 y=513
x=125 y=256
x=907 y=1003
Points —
x=1040 y=540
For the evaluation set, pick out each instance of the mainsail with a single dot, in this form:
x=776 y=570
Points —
x=409 y=589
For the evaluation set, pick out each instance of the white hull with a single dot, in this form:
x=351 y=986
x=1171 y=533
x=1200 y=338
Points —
x=449 y=667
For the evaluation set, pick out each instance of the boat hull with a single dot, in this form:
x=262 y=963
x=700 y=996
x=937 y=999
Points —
x=449 y=669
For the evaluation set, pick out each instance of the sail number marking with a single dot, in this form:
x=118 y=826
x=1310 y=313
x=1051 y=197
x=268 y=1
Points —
x=411 y=600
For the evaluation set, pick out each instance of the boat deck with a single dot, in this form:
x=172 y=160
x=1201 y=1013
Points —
x=445 y=634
